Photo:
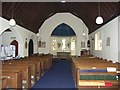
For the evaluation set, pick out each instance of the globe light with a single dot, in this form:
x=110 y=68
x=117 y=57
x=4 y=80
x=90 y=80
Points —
x=63 y=1
x=12 y=22
x=99 y=20
x=38 y=34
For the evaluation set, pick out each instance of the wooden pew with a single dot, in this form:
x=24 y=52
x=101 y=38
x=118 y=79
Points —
x=38 y=63
x=40 y=68
x=25 y=71
x=92 y=64
x=21 y=63
x=13 y=79
x=45 y=59
x=3 y=82
x=96 y=79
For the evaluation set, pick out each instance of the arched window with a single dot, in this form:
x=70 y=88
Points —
x=88 y=43
x=108 y=41
x=98 y=41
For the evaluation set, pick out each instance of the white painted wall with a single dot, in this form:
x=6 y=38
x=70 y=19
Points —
x=119 y=39
x=108 y=30
x=21 y=34
x=51 y=23
x=3 y=25
x=24 y=33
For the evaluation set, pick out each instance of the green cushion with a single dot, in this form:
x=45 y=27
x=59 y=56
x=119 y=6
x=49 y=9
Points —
x=97 y=77
x=110 y=77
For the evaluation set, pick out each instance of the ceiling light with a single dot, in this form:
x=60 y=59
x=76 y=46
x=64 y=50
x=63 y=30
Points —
x=63 y=1
x=38 y=34
x=12 y=22
x=99 y=19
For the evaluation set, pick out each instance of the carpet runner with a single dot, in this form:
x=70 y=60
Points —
x=58 y=77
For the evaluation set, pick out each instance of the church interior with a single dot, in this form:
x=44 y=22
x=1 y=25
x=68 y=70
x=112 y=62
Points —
x=60 y=45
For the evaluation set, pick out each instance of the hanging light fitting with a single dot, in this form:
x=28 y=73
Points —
x=99 y=19
x=12 y=21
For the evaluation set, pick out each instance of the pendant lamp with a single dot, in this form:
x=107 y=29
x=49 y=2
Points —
x=12 y=21
x=99 y=19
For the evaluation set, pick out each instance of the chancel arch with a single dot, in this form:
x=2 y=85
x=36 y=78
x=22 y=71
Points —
x=63 y=39
x=56 y=20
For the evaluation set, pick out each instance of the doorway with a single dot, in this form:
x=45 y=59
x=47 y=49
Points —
x=30 y=49
x=15 y=43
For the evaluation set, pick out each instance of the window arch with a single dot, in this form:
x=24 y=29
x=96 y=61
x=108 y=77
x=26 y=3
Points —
x=108 y=41
x=63 y=30
x=98 y=41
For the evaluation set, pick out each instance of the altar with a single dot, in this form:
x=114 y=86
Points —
x=63 y=55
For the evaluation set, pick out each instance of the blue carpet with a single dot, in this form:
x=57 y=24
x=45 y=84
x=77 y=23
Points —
x=58 y=77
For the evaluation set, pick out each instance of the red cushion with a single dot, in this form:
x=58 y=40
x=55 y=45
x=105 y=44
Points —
x=108 y=84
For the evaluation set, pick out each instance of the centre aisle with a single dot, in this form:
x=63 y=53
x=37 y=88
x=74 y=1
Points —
x=58 y=76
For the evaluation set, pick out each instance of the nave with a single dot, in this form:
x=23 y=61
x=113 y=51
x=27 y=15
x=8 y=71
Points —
x=35 y=37
x=58 y=76
x=46 y=72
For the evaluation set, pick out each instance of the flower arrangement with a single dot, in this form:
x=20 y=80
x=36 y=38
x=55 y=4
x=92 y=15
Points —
x=68 y=45
x=59 y=44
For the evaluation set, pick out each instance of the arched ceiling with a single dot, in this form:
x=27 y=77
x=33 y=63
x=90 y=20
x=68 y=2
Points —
x=31 y=15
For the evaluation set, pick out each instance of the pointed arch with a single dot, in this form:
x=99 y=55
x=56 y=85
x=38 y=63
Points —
x=30 y=48
x=15 y=43
x=108 y=41
x=63 y=30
